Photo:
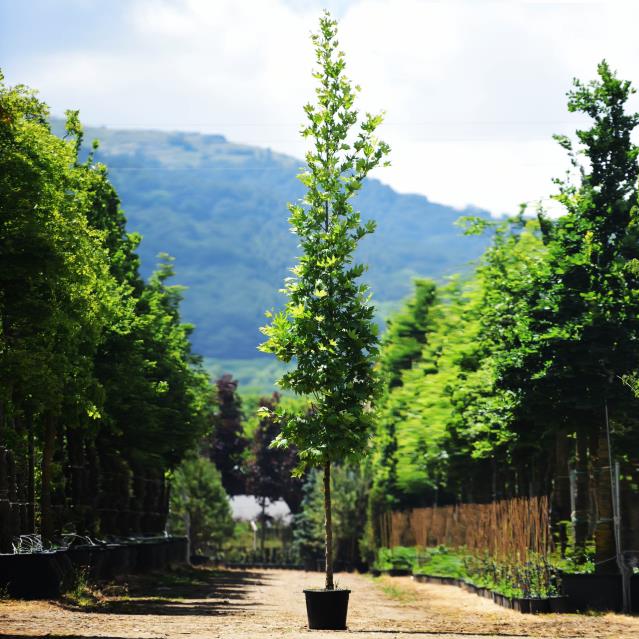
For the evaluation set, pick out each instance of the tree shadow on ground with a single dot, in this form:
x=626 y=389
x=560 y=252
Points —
x=185 y=591
x=50 y=636
x=441 y=633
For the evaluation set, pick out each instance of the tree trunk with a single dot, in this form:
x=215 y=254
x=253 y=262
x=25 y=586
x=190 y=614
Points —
x=75 y=470
x=31 y=496
x=5 y=507
x=628 y=506
x=263 y=529
x=93 y=487
x=21 y=476
x=166 y=496
x=12 y=493
x=582 y=500
x=605 y=547
x=48 y=450
x=329 y=526
x=187 y=526
x=561 y=491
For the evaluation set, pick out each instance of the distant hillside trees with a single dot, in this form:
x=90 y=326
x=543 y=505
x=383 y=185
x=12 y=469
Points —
x=100 y=394
x=229 y=445
x=223 y=221
x=269 y=470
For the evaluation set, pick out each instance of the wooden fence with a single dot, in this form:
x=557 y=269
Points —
x=509 y=528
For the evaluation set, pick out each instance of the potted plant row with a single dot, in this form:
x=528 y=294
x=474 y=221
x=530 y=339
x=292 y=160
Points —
x=529 y=587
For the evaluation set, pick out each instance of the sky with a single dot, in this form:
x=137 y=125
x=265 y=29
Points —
x=473 y=90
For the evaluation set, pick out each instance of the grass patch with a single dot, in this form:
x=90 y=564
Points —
x=81 y=594
x=397 y=593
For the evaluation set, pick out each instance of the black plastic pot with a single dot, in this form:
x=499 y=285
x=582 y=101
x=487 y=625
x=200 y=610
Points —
x=88 y=559
x=506 y=602
x=558 y=604
x=398 y=572
x=531 y=605
x=443 y=581
x=178 y=547
x=43 y=575
x=147 y=557
x=592 y=592
x=116 y=561
x=520 y=604
x=327 y=609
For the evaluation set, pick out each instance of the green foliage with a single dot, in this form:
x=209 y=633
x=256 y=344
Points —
x=269 y=469
x=350 y=486
x=411 y=455
x=441 y=562
x=229 y=445
x=56 y=295
x=574 y=330
x=255 y=376
x=80 y=594
x=98 y=382
x=524 y=353
x=327 y=326
x=199 y=505
x=308 y=524
x=574 y=560
x=406 y=333
x=396 y=558
x=534 y=579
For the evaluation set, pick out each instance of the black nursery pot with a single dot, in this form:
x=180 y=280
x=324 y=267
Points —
x=558 y=603
x=326 y=609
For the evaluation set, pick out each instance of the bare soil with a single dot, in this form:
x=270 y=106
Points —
x=203 y=603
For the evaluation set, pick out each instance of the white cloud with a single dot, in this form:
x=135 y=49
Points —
x=473 y=90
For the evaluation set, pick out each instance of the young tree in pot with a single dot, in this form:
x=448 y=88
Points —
x=327 y=327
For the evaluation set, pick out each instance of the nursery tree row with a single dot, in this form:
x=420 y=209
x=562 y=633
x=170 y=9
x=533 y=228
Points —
x=100 y=394
x=520 y=379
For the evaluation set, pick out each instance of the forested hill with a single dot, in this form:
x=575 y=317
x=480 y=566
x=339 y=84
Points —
x=220 y=209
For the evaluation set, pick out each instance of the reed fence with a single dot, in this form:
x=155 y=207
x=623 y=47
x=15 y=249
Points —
x=505 y=529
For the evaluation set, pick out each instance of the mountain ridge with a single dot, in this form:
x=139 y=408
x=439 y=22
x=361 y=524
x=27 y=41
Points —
x=220 y=209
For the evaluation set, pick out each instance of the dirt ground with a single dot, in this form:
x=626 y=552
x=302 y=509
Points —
x=204 y=603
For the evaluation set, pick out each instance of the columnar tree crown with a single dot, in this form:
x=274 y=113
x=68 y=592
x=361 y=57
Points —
x=327 y=326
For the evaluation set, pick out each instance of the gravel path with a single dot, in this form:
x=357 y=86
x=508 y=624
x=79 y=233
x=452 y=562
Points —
x=202 y=603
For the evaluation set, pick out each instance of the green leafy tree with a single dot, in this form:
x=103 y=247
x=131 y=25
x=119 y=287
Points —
x=200 y=506
x=351 y=487
x=98 y=383
x=521 y=368
x=308 y=523
x=594 y=342
x=269 y=470
x=401 y=349
x=327 y=327
x=56 y=298
x=406 y=333
x=581 y=333
x=228 y=443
